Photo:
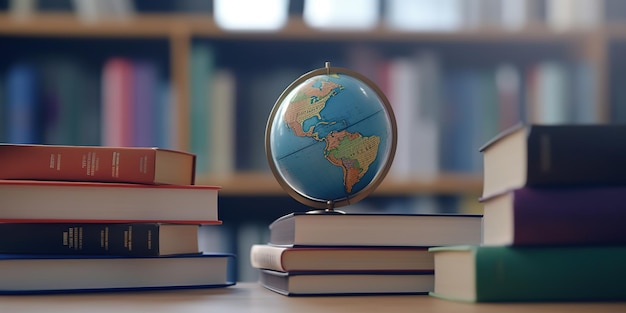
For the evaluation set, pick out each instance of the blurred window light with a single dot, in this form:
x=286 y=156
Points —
x=424 y=15
x=251 y=15
x=341 y=14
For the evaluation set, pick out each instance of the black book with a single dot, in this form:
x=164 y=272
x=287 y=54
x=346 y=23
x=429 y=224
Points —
x=123 y=239
x=554 y=156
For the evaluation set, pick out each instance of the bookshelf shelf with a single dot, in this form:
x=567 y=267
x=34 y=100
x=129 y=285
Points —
x=166 y=25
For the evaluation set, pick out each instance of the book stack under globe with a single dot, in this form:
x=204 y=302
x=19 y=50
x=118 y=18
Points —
x=554 y=202
x=93 y=218
x=343 y=254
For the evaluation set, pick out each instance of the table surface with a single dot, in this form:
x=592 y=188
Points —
x=250 y=297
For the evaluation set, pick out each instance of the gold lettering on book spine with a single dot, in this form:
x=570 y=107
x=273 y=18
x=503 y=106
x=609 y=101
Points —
x=143 y=164
x=115 y=164
x=149 y=239
x=65 y=238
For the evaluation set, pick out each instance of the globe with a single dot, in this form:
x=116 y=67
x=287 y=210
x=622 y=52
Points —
x=330 y=138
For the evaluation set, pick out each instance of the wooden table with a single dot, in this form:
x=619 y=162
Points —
x=250 y=297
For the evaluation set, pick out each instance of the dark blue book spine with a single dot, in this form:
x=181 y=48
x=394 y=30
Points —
x=140 y=239
x=22 y=105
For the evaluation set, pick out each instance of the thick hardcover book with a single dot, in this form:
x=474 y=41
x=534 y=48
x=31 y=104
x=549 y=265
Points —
x=31 y=274
x=352 y=283
x=554 y=155
x=47 y=201
x=341 y=259
x=502 y=273
x=556 y=216
x=97 y=163
x=136 y=239
x=301 y=229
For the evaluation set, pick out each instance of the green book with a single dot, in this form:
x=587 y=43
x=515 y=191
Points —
x=504 y=273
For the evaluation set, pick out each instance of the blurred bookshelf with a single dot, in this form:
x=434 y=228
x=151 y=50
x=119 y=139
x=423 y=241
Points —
x=485 y=65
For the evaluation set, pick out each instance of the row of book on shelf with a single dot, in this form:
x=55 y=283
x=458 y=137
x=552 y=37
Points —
x=444 y=111
x=97 y=218
x=551 y=230
x=66 y=101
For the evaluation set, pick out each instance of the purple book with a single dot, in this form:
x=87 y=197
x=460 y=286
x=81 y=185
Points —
x=144 y=76
x=556 y=216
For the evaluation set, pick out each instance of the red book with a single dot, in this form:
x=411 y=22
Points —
x=117 y=103
x=97 y=163
x=556 y=216
x=69 y=202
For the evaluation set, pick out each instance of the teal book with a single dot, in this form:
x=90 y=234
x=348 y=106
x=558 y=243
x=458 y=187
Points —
x=504 y=273
x=201 y=73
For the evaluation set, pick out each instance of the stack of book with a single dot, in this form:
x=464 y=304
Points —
x=340 y=254
x=94 y=218
x=554 y=201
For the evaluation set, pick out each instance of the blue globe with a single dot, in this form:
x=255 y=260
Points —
x=331 y=138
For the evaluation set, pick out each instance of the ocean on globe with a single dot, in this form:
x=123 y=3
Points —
x=330 y=137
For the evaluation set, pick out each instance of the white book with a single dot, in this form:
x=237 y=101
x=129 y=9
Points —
x=414 y=96
x=426 y=136
x=552 y=103
x=222 y=123
x=403 y=95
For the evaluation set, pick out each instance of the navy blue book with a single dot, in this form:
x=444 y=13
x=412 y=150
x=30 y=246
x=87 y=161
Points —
x=22 y=105
x=131 y=239
x=34 y=274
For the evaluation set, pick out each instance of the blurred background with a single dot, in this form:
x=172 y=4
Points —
x=203 y=76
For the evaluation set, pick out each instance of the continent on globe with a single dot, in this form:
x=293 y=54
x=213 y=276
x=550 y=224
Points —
x=353 y=153
x=308 y=103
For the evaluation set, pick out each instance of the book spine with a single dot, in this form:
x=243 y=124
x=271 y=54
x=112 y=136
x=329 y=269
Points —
x=201 y=74
x=74 y=163
x=144 y=103
x=555 y=274
x=577 y=155
x=80 y=239
x=117 y=103
x=22 y=105
x=569 y=216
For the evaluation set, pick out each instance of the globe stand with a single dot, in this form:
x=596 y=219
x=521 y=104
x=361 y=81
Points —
x=330 y=209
